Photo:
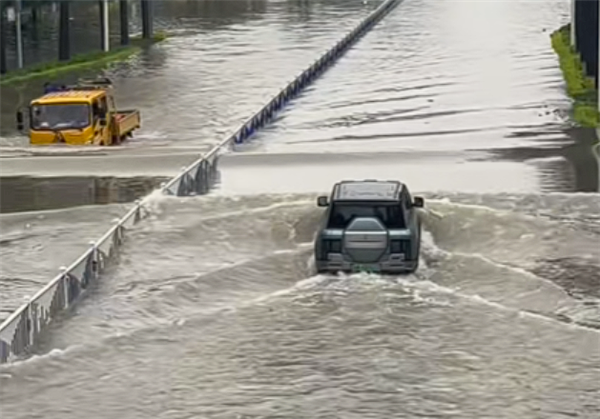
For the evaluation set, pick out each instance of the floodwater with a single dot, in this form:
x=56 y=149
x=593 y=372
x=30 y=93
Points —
x=214 y=310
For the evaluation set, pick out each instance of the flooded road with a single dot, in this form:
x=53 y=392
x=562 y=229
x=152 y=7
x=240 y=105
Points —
x=214 y=310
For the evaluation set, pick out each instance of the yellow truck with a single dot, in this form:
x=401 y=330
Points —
x=83 y=114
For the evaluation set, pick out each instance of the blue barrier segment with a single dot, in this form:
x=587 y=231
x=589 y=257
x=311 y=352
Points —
x=20 y=332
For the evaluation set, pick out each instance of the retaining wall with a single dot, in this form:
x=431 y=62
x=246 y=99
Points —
x=22 y=329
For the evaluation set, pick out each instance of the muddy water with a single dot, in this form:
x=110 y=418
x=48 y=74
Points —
x=215 y=311
x=180 y=89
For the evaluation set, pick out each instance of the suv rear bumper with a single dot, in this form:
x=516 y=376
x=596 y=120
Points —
x=395 y=267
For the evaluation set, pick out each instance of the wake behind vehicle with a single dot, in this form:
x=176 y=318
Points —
x=371 y=226
x=83 y=114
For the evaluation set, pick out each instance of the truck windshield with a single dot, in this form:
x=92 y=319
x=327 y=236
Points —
x=390 y=214
x=60 y=116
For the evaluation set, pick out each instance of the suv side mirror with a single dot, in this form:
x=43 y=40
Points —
x=322 y=201
x=20 y=124
x=418 y=202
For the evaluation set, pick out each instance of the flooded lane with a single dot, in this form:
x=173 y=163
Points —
x=426 y=171
x=220 y=66
x=215 y=311
x=439 y=82
x=39 y=194
x=206 y=80
x=35 y=244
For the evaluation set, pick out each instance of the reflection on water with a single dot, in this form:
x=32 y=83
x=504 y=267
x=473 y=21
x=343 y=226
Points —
x=33 y=193
x=570 y=164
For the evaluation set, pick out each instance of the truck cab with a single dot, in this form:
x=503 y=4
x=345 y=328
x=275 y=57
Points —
x=84 y=114
x=369 y=225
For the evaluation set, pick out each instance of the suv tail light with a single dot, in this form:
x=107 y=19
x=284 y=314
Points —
x=400 y=246
x=332 y=246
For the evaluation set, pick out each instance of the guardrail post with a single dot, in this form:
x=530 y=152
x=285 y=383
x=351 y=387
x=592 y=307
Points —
x=95 y=260
x=63 y=272
x=138 y=211
x=30 y=328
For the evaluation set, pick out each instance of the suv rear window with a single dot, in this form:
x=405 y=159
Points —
x=342 y=213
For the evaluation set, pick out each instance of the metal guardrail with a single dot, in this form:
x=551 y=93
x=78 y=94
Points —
x=23 y=328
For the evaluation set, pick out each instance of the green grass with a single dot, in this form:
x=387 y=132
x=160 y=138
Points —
x=52 y=70
x=579 y=86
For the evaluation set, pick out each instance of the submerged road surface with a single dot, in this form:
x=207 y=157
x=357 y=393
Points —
x=214 y=310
